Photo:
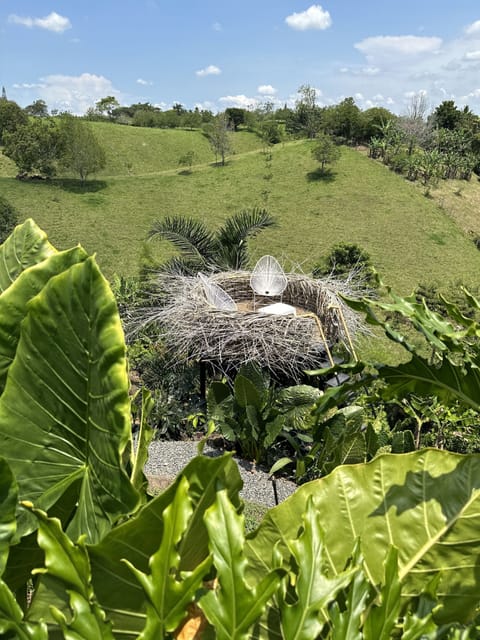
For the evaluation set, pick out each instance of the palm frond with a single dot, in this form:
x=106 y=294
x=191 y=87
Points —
x=183 y=266
x=191 y=237
x=232 y=236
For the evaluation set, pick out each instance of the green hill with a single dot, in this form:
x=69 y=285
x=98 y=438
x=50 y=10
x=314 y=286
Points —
x=409 y=237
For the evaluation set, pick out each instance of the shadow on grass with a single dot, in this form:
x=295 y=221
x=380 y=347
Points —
x=327 y=175
x=185 y=172
x=75 y=186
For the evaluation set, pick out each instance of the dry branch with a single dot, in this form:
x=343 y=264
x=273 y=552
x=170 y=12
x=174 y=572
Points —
x=288 y=345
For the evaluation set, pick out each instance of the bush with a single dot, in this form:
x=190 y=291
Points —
x=346 y=258
x=8 y=218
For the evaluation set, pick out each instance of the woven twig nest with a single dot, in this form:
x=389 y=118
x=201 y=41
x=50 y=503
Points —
x=285 y=344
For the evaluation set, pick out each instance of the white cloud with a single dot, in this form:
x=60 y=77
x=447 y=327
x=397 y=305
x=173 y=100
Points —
x=379 y=47
x=363 y=71
x=211 y=70
x=52 y=22
x=315 y=17
x=216 y=26
x=241 y=101
x=143 y=82
x=370 y=71
x=472 y=55
x=266 y=90
x=29 y=85
x=206 y=106
x=473 y=29
x=68 y=93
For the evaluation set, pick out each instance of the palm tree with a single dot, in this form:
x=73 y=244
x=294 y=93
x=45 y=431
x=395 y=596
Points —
x=201 y=249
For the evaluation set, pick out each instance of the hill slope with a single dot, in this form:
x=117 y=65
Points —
x=409 y=237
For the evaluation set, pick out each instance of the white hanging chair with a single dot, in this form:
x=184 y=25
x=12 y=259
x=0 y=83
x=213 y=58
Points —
x=216 y=296
x=268 y=277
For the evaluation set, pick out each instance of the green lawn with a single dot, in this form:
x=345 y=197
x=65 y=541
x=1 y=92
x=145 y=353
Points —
x=410 y=238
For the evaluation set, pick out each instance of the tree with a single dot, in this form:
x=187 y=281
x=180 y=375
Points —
x=4 y=93
x=8 y=218
x=446 y=115
x=343 y=120
x=218 y=135
x=187 y=160
x=325 y=152
x=306 y=119
x=270 y=132
x=200 y=249
x=38 y=108
x=35 y=147
x=372 y=120
x=236 y=116
x=82 y=152
x=106 y=105
x=11 y=117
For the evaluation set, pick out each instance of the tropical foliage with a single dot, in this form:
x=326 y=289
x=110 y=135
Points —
x=201 y=249
x=373 y=551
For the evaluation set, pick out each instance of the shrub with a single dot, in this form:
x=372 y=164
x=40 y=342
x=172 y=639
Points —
x=346 y=258
x=8 y=218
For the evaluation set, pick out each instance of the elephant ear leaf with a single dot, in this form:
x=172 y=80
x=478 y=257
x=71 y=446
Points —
x=14 y=300
x=8 y=505
x=25 y=246
x=65 y=410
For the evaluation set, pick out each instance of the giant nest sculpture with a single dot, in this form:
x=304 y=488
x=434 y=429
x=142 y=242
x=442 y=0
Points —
x=285 y=322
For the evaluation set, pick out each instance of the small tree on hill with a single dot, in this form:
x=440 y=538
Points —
x=83 y=154
x=38 y=109
x=218 y=135
x=106 y=105
x=187 y=160
x=325 y=152
x=12 y=116
x=35 y=147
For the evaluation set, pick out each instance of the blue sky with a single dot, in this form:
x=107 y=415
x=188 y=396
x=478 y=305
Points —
x=220 y=53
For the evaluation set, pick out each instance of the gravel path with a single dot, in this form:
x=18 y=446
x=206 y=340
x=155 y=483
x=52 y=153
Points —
x=167 y=458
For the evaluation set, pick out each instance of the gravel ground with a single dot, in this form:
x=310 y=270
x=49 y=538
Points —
x=167 y=458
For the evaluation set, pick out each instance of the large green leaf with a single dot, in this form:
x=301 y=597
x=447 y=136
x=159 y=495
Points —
x=234 y=605
x=14 y=300
x=138 y=539
x=426 y=503
x=25 y=246
x=246 y=393
x=12 y=623
x=303 y=619
x=65 y=411
x=168 y=591
x=8 y=505
x=68 y=565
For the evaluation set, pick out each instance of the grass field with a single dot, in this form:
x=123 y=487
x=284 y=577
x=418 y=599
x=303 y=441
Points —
x=410 y=238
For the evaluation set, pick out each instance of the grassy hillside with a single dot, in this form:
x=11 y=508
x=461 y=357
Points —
x=409 y=237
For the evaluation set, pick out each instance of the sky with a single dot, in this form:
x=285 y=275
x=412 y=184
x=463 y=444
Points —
x=222 y=53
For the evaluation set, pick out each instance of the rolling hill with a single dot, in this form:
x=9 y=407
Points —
x=410 y=238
